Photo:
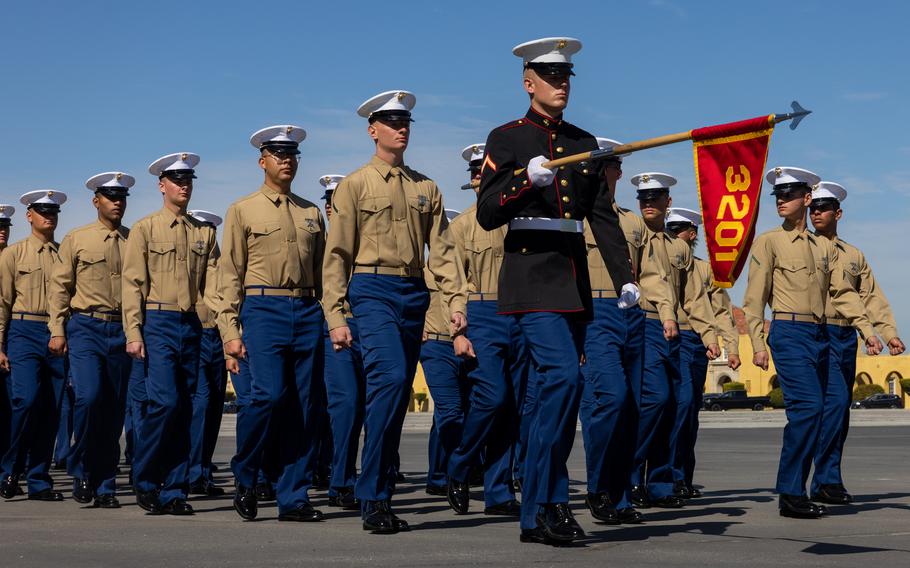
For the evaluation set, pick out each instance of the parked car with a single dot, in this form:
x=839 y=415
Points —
x=879 y=401
x=734 y=399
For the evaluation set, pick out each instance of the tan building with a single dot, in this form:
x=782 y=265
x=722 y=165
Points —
x=883 y=370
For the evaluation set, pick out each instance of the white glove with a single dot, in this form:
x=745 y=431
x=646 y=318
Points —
x=539 y=175
x=628 y=297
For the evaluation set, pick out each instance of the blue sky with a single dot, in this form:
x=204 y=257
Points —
x=94 y=86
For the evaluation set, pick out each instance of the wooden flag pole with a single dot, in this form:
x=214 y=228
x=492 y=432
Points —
x=797 y=115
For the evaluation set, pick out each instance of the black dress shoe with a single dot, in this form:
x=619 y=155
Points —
x=693 y=492
x=245 y=503
x=400 y=524
x=345 y=499
x=639 y=497
x=537 y=535
x=106 y=501
x=629 y=516
x=82 y=491
x=304 y=513
x=178 y=507
x=59 y=466
x=400 y=478
x=437 y=490
x=9 y=487
x=264 y=492
x=458 y=494
x=148 y=501
x=205 y=487
x=668 y=502
x=378 y=518
x=602 y=508
x=681 y=490
x=45 y=495
x=476 y=478
x=516 y=486
x=798 y=507
x=832 y=495
x=510 y=508
x=558 y=523
x=214 y=468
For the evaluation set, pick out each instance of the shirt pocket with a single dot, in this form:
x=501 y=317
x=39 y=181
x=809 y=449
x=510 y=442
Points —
x=29 y=276
x=198 y=259
x=375 y=217
x=162 y=257
x=91 y=266
x=307 y=237
x=265 y=238
x=679 y=262
x=420 y=204
x=795 y=273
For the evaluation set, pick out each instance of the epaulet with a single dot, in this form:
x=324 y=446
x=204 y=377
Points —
x=513 y=124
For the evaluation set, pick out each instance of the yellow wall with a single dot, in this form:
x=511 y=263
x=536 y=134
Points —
x=880 y=370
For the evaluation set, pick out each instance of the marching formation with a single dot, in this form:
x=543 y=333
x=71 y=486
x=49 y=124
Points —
x=544 y=303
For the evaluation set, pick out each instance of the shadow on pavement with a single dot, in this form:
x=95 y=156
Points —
x=644 y=532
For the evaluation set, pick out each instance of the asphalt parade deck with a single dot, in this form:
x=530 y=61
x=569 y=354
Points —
x=735 y=524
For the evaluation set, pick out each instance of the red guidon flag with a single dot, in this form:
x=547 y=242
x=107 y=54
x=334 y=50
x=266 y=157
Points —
x=729 y=163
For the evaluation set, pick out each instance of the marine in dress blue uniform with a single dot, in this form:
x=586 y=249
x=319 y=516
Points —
x=544 y=281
